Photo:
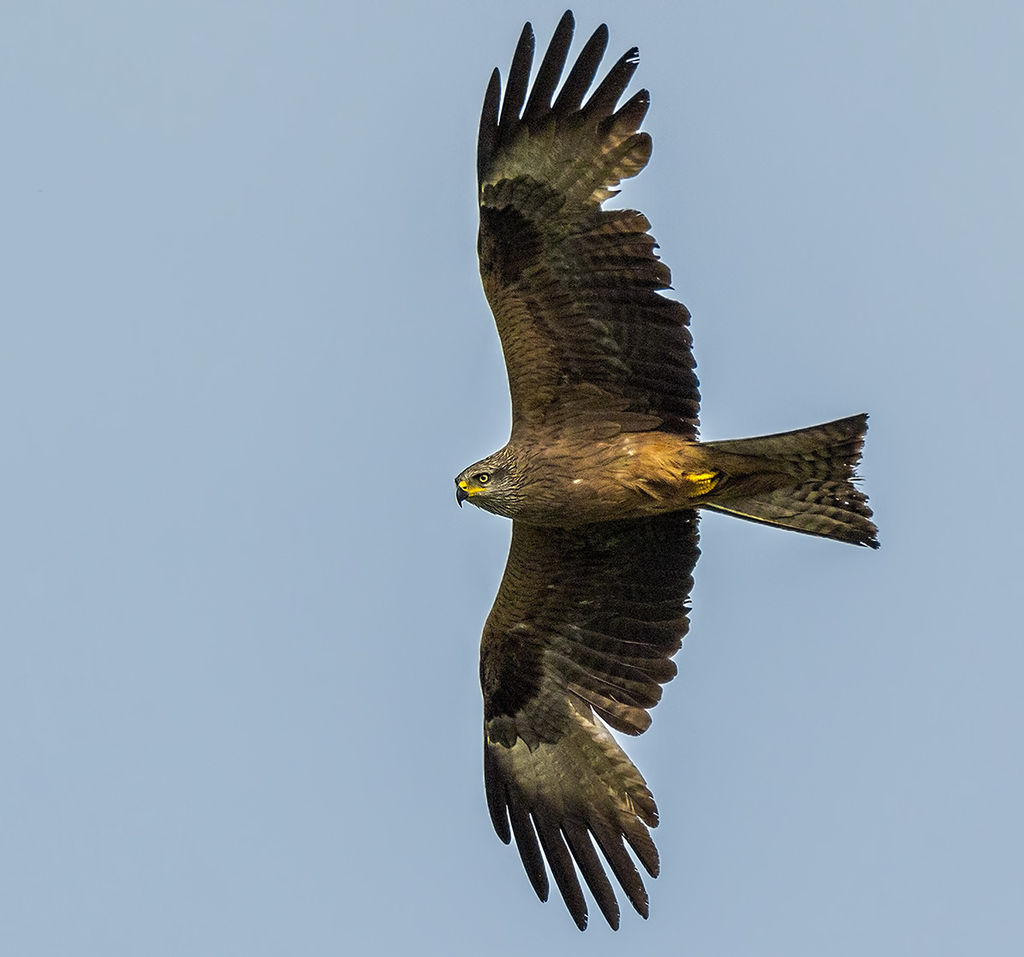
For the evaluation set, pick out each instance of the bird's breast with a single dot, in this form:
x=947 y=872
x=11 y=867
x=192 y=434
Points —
x=570 y=481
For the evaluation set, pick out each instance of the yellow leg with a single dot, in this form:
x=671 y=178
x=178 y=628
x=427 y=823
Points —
x=702 y=482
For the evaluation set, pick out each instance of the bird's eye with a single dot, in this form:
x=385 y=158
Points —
x=482 y=478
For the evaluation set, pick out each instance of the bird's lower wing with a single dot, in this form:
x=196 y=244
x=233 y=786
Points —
x=583 y=628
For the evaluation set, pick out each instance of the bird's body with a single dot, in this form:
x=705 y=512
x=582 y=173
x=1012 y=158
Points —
x=568 y=477
x=603 y=474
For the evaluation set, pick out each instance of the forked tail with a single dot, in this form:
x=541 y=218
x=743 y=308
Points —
x=801 y=480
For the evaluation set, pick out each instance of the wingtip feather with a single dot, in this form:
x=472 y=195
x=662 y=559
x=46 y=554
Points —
x=518 y=81
x=487 y=140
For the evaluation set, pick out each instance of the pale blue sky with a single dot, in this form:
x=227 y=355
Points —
x=243 y=351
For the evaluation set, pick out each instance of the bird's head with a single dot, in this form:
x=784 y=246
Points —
x=490 y=484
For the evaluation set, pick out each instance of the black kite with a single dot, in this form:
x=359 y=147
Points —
x=603 y=473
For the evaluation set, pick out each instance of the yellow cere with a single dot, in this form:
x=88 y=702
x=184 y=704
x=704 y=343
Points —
x=470 y=489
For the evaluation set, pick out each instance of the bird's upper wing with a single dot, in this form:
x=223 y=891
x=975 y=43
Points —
x=583 y=628
x=574 y=288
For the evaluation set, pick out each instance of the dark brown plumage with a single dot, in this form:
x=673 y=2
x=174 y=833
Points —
x=603 y=473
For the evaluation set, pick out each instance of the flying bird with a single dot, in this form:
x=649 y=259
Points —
x=603 y=474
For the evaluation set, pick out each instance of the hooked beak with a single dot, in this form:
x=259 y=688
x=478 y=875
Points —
x=460 y=493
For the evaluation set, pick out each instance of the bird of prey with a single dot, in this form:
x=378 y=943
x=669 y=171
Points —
x=603 y=474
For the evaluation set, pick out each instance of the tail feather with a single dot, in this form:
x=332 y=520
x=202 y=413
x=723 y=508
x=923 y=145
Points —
x=801 y=480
